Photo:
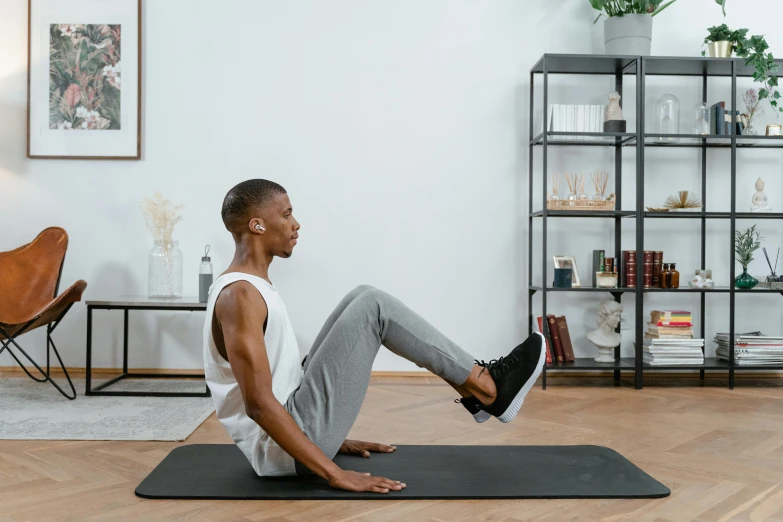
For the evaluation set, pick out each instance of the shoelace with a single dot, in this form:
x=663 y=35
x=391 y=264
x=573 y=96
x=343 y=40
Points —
x=501 y=364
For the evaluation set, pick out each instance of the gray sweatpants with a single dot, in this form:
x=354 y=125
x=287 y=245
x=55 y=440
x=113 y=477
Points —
x=337 y=369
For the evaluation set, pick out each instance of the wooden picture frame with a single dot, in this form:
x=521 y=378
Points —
x=569 y=262
x=84 y=79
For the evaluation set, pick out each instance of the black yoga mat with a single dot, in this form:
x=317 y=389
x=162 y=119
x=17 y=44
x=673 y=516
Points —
x=219 y=471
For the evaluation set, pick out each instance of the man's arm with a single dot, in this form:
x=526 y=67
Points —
x=241 y=312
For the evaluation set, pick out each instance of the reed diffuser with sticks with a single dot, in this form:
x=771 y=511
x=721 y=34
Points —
x=599 y=183
x=554 y=195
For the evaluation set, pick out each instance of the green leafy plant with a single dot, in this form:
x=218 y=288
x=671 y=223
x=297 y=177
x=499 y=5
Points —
x=755 y=53
x=722 y=3
x=745 y=243
x=754 y=50
x=611 y=8
x=721 y=33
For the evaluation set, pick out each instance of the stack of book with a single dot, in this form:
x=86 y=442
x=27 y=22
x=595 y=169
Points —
x=558 y=339
x=576 y=118
x=752 y=348
x=669 y=340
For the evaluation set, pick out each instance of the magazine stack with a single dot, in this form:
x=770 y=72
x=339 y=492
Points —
x=750 y=349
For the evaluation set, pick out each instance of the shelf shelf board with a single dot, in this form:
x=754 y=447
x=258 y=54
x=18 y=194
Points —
x=587 y=363
x=711 y=141
x=710 y=363
x=584 y=213
x=586 y=139
x=695 y=66
x=683 y=290
x=582 y=289
x=586 y=64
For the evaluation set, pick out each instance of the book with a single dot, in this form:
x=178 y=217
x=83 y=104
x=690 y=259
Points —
x=547 y=339
x=671 y=317
x=598 y=263
x=555 y=333
x=565 y=339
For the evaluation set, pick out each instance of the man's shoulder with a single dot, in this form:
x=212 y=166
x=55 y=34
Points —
x=239 y=295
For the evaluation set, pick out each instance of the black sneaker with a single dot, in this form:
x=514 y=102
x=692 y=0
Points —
x=514 y=376
x=475 y=408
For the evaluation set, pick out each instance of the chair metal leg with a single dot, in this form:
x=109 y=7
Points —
x=49 y=341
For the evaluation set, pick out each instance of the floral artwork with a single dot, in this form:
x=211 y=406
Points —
x=84 y=77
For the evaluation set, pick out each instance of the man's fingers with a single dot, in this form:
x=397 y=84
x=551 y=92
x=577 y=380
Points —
x=377 y=489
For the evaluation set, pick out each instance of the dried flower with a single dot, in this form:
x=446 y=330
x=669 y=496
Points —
x=752 y=107
x=161 y=217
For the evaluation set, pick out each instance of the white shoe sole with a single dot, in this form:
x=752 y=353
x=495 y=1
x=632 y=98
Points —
x=516 y=404
x=482 y=416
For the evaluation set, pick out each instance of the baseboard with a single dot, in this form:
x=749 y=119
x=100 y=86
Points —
x=626 y=374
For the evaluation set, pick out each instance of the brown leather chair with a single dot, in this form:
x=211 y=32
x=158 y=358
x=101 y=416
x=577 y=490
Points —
x=29 y=281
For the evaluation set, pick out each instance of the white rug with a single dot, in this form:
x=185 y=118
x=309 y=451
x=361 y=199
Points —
x=31 y=410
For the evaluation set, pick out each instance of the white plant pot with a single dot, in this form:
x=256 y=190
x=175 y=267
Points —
x=628 y=35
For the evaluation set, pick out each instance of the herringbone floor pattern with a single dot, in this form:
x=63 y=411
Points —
x=720 y=451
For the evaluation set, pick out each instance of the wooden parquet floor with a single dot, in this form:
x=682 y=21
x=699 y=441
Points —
x=720 y=451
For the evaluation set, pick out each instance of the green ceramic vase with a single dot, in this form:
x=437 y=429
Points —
x=745 y=281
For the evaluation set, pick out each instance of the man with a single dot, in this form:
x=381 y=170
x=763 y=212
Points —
x=291 y=418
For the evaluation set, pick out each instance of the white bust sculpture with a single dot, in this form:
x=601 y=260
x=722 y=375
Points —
x=760 y=199
x=605 y=338
x=613 y=110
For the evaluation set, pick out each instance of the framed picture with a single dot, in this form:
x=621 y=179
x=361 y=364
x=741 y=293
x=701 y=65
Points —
x=84 y=79
x=569 y=262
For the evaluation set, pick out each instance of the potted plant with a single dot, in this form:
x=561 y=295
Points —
x=722 y=41
x=745 y=243
x=628 y=24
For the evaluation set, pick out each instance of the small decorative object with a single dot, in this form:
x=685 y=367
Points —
x=606 y=279
x=577 y=199
x=752 y=109
x=613 y=116
x=683 y=201
x=759 y=203
x=667 y=118
x=628 y=25
x=204 y=276
x=555 y=194
x=599 y=184
x=569 y=262
x=84 y=96
x=745 y=243
x=563 y=278
x=774 y=129
x=702 y=279
x=599 y=263
x=605 y=338
x=774 y=280
x=672 y=276
x=165 y=259
x=701 y=121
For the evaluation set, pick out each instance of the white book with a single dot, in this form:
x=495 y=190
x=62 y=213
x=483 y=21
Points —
x=554 y=117
x=590 y=119
x=599 y=119
x=563 y=118
x=580 y=120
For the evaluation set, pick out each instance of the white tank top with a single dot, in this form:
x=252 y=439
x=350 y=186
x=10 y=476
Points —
x=264 y=454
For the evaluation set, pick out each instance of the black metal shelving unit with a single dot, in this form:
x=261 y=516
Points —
x=639 y=67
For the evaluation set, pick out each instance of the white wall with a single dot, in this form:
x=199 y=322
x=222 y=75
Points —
x=398 y=129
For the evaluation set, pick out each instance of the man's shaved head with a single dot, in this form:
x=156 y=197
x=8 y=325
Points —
x=243 y=199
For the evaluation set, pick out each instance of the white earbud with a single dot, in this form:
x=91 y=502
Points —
x=259 y=227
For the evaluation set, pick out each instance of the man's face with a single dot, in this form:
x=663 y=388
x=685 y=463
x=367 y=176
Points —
x=281 y=226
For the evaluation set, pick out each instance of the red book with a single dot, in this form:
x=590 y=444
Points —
x=554 y=331
x=565 y=339
x=548 y=342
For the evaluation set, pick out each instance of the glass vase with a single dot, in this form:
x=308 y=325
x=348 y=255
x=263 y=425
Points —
x=745 y=281
x=667 y=117
x=165 y=271
x=701 y=118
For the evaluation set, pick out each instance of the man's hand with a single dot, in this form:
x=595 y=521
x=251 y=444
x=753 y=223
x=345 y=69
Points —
x=363 y=449
x=354 y=481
